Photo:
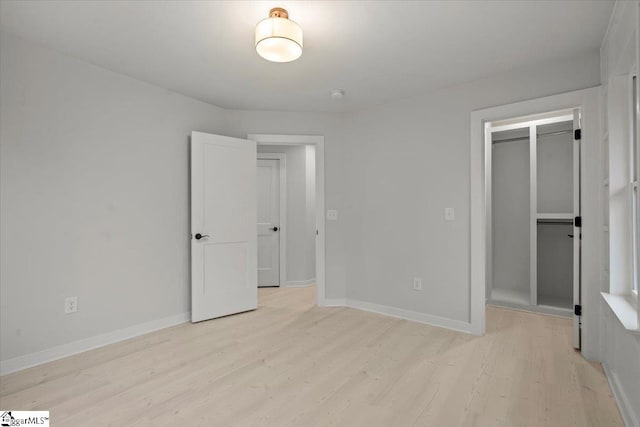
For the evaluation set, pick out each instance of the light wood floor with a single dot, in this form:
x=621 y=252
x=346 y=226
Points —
x=289 y=363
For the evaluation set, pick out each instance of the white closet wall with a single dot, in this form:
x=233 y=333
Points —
x=555 y=169
x=510 y=208
x=555 y=265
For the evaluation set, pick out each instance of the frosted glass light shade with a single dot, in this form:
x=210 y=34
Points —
x=278 y=39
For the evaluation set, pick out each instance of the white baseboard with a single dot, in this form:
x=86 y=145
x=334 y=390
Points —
x=49 y=355
x=626 y=409
x=332 y=302
x=299 y=283
x=540 y=309
x=415 y=316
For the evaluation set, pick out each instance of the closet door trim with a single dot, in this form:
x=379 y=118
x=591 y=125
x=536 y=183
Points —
x=533 y=214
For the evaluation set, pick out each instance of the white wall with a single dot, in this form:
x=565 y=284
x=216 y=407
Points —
x=402 y=164
x=95 y=204
x=555 y=264
x=300 y=231
x=94 y=198
x=510 y=215
x=390 y=172
x=621 y=349
x=555 y=172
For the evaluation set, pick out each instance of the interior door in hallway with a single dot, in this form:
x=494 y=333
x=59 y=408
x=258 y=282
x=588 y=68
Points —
x=268 y=192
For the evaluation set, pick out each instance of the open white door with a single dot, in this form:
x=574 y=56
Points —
x=223 y=226
x=577 y=232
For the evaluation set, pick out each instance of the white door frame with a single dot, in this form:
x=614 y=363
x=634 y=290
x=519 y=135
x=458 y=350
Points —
x=282 y=228
x=318 y=142
x=592 y=271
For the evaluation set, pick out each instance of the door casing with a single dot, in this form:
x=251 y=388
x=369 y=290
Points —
x=592 y=211
x=318 y=142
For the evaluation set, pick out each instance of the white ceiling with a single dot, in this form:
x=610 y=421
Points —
x=374 y=50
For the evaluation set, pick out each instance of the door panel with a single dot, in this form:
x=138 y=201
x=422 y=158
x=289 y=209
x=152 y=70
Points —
x=268 y=190
x=223 y=221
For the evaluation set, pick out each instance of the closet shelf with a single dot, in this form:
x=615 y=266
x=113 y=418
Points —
x=554 y=216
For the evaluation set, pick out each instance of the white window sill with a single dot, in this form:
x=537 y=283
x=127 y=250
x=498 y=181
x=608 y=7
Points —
x=624 y=310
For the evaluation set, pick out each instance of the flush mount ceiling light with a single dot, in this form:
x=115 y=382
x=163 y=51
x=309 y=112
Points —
x=336 y=94
x=278 y=39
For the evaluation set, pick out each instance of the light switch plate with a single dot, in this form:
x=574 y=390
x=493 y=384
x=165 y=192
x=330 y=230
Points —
x=70 y=305
x=449 y=214
x=332 y=215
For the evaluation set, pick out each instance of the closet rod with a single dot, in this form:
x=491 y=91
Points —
x=522 y=138
x=557 y=221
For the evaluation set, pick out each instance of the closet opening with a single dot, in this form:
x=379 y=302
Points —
x=532 y=190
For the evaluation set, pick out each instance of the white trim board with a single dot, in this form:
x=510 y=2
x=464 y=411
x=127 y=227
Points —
x=333 y=302
x=299 y=283
x=400 y=313
x=624 y=310
x=282 y=171
x=65 y=350
x=318 y=142
x=626 y=409
x=539 y=309
x=442 y=322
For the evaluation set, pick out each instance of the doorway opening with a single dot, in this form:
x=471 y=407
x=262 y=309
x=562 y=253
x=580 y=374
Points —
x=290 y=206
x=533 y=214
x=271 y=209
x=591 y=269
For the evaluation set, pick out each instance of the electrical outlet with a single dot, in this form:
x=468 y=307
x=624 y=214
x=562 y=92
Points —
x=417 y=284
x=70 y=305
x=332 y=215
x=449 y=214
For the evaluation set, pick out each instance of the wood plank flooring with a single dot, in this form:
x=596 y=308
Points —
x=292 y=364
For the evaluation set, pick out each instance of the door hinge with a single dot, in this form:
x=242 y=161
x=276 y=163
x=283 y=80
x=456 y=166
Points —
x=577 y=134
x=577 y=310
x=577 y=221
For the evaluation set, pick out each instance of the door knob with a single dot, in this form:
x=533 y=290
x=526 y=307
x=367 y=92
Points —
x=199 y=236
x=274 y=229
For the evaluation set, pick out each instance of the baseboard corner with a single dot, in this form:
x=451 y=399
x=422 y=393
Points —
x=299 y=283
x=332 y=302
x=441 y=322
